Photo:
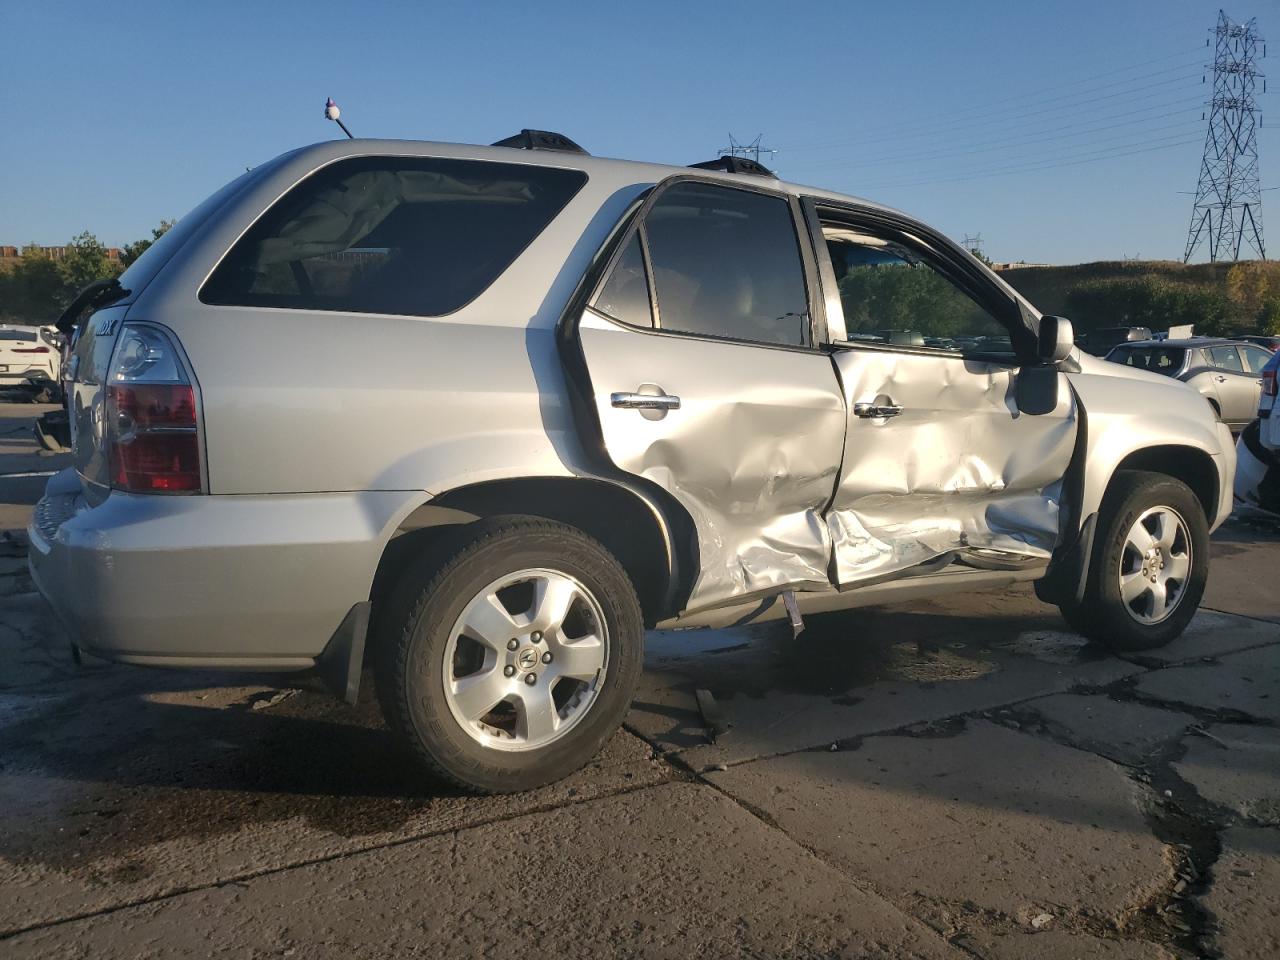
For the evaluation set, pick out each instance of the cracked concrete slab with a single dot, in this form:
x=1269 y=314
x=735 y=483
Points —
x=1125 y=732
x=501 y=889
x=1211 y=634
x=989 y=817
x=867 y=671
x=1237 y=767
x=1241 y=545
x=195 y=791
x=1063 y=945
x=1244 y=899
x=1245 y=684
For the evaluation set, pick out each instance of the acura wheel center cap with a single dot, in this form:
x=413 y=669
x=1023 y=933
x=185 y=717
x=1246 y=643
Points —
x=527 y=658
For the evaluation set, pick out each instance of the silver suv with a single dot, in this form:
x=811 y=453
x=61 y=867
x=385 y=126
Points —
x=478 y=416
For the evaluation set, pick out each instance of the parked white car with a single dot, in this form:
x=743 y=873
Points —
x=1257 y=482
x=30 y=359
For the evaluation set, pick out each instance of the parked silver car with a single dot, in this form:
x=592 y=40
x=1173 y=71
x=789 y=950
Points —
x=1227 y=373
x=507 y=406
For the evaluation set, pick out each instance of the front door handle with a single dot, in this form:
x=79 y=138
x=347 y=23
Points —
x=644 y=401
x=1220 y=378
x=876 y=411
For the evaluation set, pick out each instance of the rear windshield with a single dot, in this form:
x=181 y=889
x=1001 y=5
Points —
x=1166 y=360
x=422 y=237
x=26 y=336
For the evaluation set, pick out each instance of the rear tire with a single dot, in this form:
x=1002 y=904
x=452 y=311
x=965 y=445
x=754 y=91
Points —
x=505 y=600
x=1149 y=565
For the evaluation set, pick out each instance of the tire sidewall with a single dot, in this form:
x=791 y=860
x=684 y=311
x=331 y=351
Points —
x=423 y=677
x=1139 y=493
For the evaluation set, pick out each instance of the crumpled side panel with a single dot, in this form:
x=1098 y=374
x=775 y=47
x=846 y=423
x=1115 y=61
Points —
x=960 y=467
x=752 y=454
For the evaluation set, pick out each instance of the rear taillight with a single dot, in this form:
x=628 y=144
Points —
x=1268 y=383
x=32 y=350
x=152 y=437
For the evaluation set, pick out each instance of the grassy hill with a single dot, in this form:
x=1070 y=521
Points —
x=1217 y=297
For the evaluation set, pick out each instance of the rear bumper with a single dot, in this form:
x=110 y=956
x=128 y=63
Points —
x=25 y=378
x=252 y=582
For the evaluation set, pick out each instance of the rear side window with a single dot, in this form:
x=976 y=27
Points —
x=726 y=263
x=625 y=295
x=422 y=237
x=1255 y=358
x=1225 y=358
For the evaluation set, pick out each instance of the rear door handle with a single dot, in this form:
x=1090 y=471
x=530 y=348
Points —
x=1220 y=378
x=644 y=401
x=876 y=411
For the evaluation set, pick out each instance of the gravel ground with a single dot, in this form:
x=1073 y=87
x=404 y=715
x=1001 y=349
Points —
x=957 y=778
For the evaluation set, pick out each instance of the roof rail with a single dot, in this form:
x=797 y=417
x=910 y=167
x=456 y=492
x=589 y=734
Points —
x=541 y=140
x=734 y=164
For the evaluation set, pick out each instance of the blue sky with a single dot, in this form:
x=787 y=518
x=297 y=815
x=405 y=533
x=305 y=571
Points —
x=117 y=116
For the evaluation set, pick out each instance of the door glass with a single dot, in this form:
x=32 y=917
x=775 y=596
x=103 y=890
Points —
x=726 y=263
x=1255 y=358
x=891 y=296
x=625 y=295
x=1226 y=358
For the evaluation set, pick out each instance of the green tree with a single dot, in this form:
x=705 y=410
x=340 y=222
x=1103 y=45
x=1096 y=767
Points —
x=1269 y=318
x=85 y=260
x=132 y=251
x=1252 y=283
x=34 y=290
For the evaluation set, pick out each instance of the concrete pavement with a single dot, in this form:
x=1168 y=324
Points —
x=949 y=779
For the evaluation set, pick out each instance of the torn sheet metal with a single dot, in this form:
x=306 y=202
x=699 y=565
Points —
x=959 y=467
x=752 y=452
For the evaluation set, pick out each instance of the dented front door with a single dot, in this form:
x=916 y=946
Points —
x=958 y=439
x=953 y=465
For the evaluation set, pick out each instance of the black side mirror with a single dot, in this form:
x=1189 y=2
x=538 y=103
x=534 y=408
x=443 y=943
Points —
x=1056 y=340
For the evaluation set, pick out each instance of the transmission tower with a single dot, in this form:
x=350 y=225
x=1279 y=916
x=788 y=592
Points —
x=751 y=151
x=1228 y=207
x=973 y=244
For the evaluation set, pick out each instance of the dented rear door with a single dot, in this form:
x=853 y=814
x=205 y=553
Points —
x=706 y=381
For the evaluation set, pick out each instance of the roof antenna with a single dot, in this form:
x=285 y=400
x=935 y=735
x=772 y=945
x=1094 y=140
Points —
x=331 y=112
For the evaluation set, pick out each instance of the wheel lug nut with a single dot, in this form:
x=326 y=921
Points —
x=531 y=678
x=546 y=657
x=509 y=670
x=536 y=636
x=512 y=643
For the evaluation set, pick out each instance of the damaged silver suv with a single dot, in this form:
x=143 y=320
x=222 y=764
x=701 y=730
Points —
x=478 y=416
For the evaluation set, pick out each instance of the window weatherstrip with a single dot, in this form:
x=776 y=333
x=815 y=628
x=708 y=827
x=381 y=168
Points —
x=650 y=281
x=836 y=330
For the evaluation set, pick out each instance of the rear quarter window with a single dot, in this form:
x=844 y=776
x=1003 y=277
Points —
x=420 y=237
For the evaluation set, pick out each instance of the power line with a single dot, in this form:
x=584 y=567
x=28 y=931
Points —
x=1010 y=171
x=1227 y=212
x=1065 y=132
x=987 y=104
x=1003 y=117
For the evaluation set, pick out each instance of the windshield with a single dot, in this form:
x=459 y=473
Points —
x=27 y=336
x=1165 y=360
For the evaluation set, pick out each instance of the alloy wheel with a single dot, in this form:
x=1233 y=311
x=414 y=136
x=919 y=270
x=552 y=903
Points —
x=526 y=660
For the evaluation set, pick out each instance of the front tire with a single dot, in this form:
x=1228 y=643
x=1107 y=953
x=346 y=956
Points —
x=1149 y=565
x=510 y=656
